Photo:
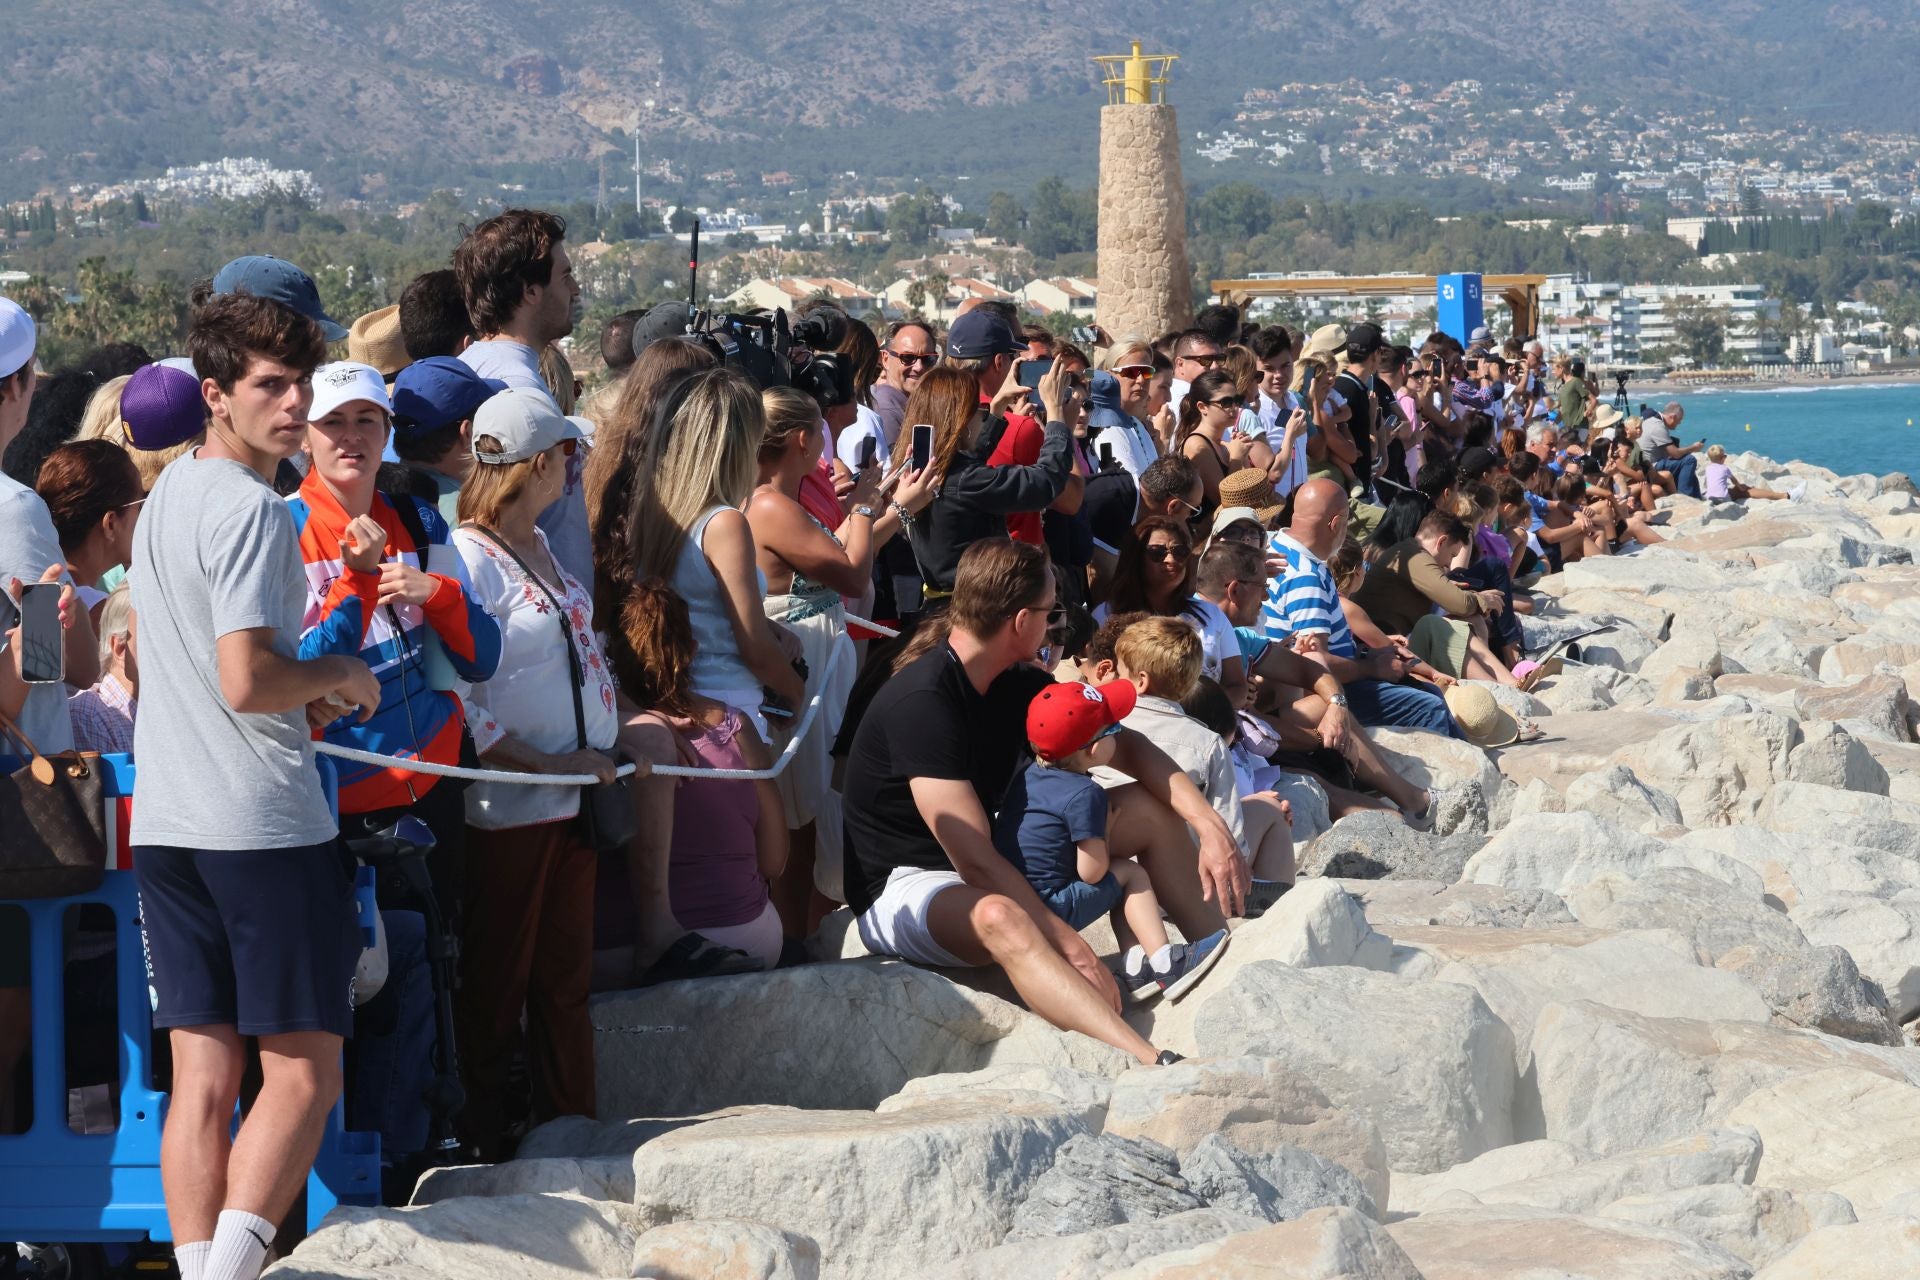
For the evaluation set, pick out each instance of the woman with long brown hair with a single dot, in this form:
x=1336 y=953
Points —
x=972 y=499
x=1156 y=574
x=1208 y=412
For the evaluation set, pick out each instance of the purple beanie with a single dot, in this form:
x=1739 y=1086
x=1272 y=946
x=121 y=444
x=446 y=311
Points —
x=162 y=407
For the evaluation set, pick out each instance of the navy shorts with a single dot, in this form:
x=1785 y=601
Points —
x=264 y=940
x=1080 y=903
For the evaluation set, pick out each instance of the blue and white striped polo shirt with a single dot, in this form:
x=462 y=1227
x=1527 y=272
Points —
x=1303 y=600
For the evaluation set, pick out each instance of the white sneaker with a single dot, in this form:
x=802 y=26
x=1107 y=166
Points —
x=1798 y=493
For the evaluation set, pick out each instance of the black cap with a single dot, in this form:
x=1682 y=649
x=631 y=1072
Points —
x=1475 y=464
x=668 y=320
x=980 y=334
x=1363 y=340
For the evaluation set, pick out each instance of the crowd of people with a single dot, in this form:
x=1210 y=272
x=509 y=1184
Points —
x=1066 y=632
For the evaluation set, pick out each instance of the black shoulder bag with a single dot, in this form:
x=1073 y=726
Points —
x=605 y=821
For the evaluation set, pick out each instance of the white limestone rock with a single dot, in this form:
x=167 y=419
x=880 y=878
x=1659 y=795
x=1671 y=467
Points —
x=1819 y=988
x=1829 y=813
x=824 y=1036
x=1392 y=903
x=1513 y=1242
x=1629 y=972
x=1081 y=1092
x=1713 y=915
x=1852 y=1132
x=1276 y=1186
x=1616 y=794
x=1326 y=1244
x=1519 y=1163
x=1708 y=1158
x=1429 y=1062
x=1258 y=1104
x=1095 y=1255
x=1882 y=934
x=548 y=1237
x=724 y=1249
x=1716 y=770
x=1563 y=852
x=1612 y=1081
x=1829 y=755
x=1877 y=1249
x=880 y=1194
x=1755 y=1224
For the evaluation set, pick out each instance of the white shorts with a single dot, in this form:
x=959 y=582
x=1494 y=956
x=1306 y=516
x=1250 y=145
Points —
x=896 y=923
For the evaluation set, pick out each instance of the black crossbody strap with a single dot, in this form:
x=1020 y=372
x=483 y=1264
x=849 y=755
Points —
x=566 y=628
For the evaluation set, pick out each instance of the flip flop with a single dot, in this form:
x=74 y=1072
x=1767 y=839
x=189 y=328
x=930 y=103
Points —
x=692 y=956
x=1553 y=666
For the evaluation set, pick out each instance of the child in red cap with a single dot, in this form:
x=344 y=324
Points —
x=1053 y=826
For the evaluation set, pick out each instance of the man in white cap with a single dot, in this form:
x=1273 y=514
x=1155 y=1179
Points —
x=30 y=551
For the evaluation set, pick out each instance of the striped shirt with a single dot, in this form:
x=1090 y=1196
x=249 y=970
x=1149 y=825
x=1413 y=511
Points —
x=1303 y=601
x=401 y=643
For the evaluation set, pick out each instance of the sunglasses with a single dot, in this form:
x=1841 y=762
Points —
x=1231 y=402
x=1134 y=371
x=1168 y=551
x=1111 y=731
x=1205 y=362
x=928 y=358
x=568 y=446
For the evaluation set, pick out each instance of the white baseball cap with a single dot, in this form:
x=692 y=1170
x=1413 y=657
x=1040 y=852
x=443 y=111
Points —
x=17 y=337
x=343 y=382
x=526 y=422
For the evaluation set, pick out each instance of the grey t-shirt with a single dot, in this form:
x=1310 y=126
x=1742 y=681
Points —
x=215 y=552
x=1655 y=436
x=28 y=544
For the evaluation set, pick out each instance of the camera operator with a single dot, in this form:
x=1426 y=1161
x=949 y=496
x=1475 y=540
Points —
x=1574 y=400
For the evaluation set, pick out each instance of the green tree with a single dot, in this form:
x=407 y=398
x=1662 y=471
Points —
x=1004 y=217
x=910 y=221
x=1235 y=211
x=1061 y=220
x=1700 y=331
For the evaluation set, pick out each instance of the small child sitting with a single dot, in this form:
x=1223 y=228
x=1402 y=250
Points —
x=1720 y=486
x=1053 y=826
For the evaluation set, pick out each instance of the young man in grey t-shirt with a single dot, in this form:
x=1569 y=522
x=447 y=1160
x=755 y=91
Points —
x=246 y=894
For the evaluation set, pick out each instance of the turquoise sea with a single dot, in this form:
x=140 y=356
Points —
x=1857 y=427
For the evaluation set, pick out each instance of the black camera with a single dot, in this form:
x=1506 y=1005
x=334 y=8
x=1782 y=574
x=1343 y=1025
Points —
x=769 y=349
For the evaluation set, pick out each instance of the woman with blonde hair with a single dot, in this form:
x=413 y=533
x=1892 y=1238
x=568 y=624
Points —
x=685 y=526
x=808 y=568
x=106 y=419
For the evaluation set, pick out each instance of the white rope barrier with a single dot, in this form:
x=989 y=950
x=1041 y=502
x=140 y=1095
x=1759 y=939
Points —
x=886 y=633
x=576 y=779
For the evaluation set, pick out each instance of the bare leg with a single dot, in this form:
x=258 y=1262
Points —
x=1644 y=495
x=276 y=1145
x=1341 y=802
x=1141 y=828
x=792 y=889
x=1484 y=664
x=1369 y=768
x=1643 y=533
x=1137 y=922
x=1269 y=838
x=644 y=736
x=987 y=928
x=195 y=1142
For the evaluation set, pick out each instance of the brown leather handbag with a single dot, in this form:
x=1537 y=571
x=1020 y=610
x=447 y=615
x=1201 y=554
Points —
x=53 y=821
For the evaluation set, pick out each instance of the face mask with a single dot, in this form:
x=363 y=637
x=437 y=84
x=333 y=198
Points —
x=579 y=312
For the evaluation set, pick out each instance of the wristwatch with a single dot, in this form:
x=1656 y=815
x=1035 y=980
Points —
x=863 y=510
x=1338 y=700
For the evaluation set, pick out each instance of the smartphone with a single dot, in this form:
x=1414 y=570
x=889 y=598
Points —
x=1029 y=372
x=868 y=448
x=922 y=445
x=1106 y=453
x=1086 y=334
x=43 y=650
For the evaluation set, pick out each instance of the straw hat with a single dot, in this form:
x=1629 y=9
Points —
x=1249 y=487
x=1326 y=341
x=374 y=339
x=1605 y=418
x=1481 y=718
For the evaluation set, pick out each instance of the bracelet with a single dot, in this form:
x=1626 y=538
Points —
x=862 y=510
x=906 y=516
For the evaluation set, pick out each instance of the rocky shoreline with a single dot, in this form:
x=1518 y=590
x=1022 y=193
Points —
x=1633 y=1010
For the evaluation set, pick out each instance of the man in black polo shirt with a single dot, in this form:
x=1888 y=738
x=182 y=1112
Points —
x=929 y=764
x=1361 y=361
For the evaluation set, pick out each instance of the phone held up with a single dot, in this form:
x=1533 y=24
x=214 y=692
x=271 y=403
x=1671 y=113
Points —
x=922 y=445
x=868 y=448
x=43 y=656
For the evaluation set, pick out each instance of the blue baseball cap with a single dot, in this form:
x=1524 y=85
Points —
x=981 y=334
x=438 y=392
x=282 y=282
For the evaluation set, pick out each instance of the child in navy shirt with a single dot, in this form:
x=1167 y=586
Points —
x=1053 y=826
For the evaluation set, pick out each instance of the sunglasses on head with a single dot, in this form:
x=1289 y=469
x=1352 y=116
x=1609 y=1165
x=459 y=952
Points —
x=1168 y=551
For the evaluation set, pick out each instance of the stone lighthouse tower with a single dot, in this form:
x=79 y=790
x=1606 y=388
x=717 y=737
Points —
x=1146 y=285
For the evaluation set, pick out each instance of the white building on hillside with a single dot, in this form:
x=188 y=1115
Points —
x=1074 y=295
x=790 y=291
x=910 y=294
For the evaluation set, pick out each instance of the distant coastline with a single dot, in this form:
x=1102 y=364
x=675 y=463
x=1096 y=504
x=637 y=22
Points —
x=1855 y=381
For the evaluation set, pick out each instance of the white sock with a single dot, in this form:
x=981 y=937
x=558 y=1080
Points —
x=240 y=1244
x=1136 y=957
x=192 y=1258
x=1162 y=960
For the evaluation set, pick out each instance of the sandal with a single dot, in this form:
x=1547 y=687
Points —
x=692 y=956
x=1529 y=731
x=1553 y=666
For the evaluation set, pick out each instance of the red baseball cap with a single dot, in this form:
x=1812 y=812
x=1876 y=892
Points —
x=1064 y=718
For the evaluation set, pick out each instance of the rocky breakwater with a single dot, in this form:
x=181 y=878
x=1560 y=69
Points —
x=1639 y=1010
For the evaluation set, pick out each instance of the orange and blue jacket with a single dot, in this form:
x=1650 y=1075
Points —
x=399 y=642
